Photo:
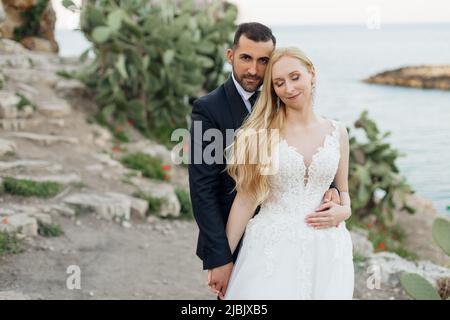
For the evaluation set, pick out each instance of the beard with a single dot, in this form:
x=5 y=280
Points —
x=248 y=82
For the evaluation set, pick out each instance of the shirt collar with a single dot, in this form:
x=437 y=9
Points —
x=244 y=94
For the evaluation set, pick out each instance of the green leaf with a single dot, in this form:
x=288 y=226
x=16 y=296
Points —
x=145 y=62
x=101 y=34
x=168 y=57
x=441 y=234
x=418 y=288
x=115 y=20
x=84 y=55
x=120 y=66
x=68 y=4
x=94 y=16
x=206 y=62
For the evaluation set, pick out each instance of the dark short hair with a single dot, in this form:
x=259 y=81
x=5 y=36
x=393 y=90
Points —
x=254 y=31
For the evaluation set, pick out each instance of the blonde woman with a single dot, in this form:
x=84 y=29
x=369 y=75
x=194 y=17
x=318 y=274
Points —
x=290 y=250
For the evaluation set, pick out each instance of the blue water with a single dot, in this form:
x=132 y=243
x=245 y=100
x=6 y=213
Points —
x=343 y=55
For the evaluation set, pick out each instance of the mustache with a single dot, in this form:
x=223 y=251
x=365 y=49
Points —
x=252 y=77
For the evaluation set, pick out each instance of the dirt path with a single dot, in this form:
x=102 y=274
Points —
x=145 y=261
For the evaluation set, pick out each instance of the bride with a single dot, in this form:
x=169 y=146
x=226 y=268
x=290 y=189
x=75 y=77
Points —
x=290 y=251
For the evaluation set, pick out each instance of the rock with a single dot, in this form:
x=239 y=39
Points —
x=6 y=147
x=15 y=9
x=126 y=224
x=425 y=77
x=100 y=136
x=43 y=217
x=170 y=205
x=94 y=167
x=63 y=179
x=361 y=244
x=8 y=104
x=62 y=210
x=392 y=266
x=21 y=223
x=13 y=124
x=24 y=164
x=39 y=44
x=107 y=207
x=151 y=148
x=8 y=46
x=2 y=13
x=105 y=159
x=28 y=91
x=55 y=108
x=139 y=207
x=43 y=139
x=70 y=87
x=12 y=295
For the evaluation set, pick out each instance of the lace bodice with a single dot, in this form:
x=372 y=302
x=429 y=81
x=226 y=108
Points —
x=297 y=188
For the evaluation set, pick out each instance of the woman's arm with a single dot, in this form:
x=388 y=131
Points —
x=242 y=211
x=341 y=178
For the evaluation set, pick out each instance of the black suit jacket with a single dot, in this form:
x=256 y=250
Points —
x=211 y=188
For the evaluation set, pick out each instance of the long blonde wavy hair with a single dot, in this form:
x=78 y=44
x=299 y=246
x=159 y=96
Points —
x=267 y=117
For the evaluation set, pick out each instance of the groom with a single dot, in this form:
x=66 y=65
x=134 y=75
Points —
x=226 y=108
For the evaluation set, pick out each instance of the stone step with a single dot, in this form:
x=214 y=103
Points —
x=106 y=206
x=43 y=139
x=170 y=207
x=21 y=223
x=63 y=178
x=8 y=165
x=38 y=210
x=54 y=108
x=6 y=147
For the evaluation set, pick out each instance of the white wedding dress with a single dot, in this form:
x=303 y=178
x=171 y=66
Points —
x=281 y=257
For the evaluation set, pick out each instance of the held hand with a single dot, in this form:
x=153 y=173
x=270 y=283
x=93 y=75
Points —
x=218 y=279
x=331 y=195
x=328 y=215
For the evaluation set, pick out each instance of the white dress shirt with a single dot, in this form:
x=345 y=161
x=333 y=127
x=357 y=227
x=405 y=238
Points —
x=245 y=95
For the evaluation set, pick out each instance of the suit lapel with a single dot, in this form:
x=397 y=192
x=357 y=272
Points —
x=237 y=107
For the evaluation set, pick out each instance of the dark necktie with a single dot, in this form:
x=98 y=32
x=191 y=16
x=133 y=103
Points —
x=253 y=98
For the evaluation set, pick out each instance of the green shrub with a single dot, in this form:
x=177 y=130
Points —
x=154 y=204
x=184 y=198
x=49 y=230
x=373 y=169
x=149 y=166
x=28 y=188
x=153 y=58
x=9 y=243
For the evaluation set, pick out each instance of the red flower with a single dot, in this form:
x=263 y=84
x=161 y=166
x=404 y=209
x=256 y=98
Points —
x=369 y=226
x=165 y=167
x=5 y=220
x=130 y=122
x=115 y=149
x=381 y=246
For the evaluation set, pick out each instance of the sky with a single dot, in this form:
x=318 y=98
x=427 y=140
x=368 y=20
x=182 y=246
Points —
x=313 y=12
